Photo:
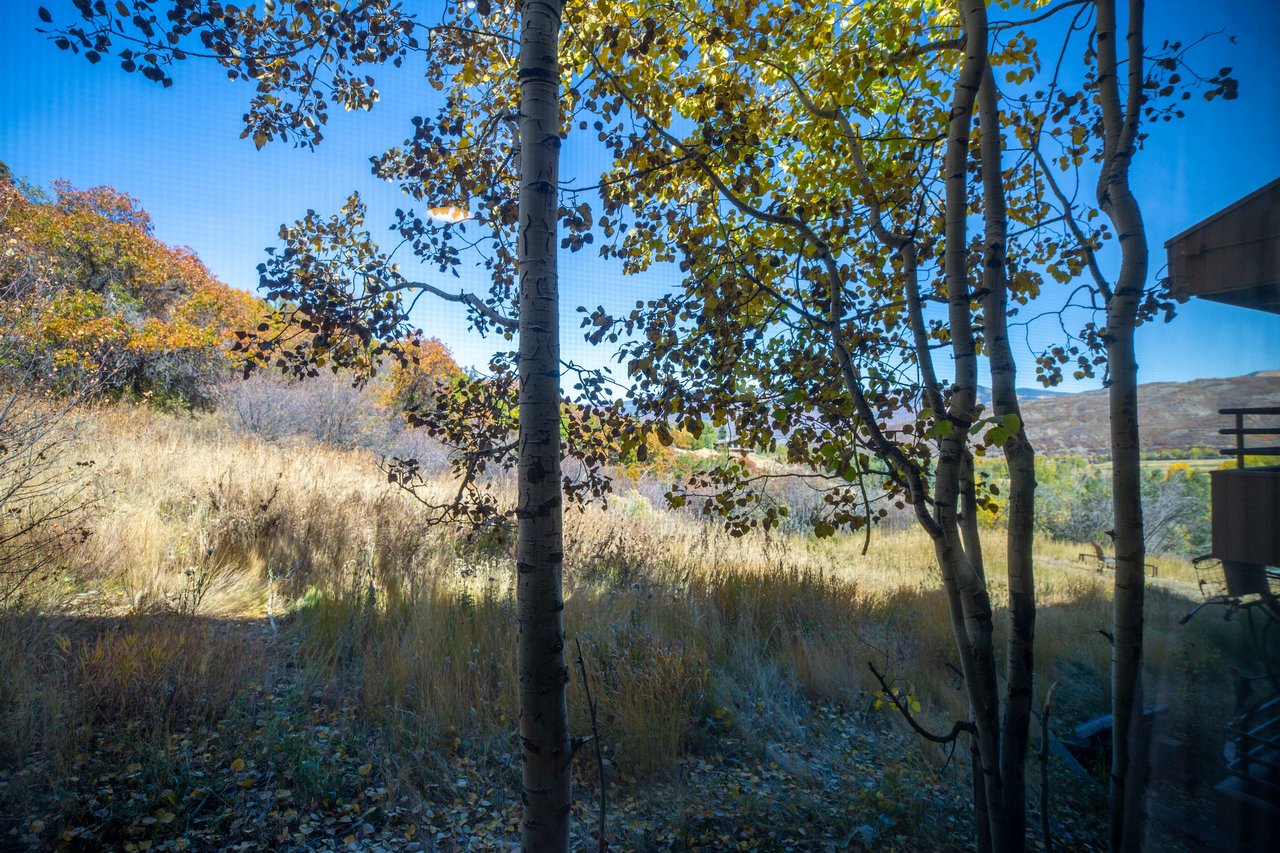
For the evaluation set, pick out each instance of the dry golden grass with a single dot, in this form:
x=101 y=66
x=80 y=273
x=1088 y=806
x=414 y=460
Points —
x=213 y=552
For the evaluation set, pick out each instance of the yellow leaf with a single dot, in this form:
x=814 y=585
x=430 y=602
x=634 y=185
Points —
x=449 y=214
x=365 y=769
x=37 y=827
x=237 y=765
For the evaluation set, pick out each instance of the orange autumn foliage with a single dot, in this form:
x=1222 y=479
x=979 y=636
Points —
x=430 y=367
x=138 y=316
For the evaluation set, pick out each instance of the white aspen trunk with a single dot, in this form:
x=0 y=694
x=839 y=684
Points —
x=1115 y=197
x=1020 y=458
x=970 y=533
x=957 y=568
x=541 y=670
x=1127 y=759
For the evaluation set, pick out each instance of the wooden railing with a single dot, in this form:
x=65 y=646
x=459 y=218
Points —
x=1240 y=451
x=1246 y=502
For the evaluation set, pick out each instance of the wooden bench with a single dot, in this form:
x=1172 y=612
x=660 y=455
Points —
x=1105 y=563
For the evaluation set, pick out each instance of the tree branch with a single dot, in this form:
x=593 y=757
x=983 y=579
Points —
x=1091 y=258
x=957 y=728
x=468 y=299
x=1047 y=13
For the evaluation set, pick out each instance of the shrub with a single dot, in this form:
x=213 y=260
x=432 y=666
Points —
x=44 y=491
x=124 y=312
x=1073 y=502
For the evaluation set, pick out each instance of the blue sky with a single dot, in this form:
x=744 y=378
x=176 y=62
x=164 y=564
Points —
x=178 y=150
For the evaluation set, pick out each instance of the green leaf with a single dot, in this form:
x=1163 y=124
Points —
x=939 y=429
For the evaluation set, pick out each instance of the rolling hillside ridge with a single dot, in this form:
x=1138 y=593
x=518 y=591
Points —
x=1173 y=415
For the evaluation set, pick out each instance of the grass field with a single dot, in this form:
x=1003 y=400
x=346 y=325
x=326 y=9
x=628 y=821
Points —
x=1202 y=465
x=267 y=646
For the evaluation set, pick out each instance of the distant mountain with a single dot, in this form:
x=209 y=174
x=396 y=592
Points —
x=1172 y=415
x=1025 y=395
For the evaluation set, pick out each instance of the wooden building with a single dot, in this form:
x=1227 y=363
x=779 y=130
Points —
x=1234 y=255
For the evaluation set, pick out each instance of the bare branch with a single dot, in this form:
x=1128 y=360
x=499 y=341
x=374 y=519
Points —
x=469 y=299
x=1047 y=13
x=957 y=728
x=1091 y=258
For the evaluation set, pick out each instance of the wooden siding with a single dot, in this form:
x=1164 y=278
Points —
x=1234 y=255
x=1246 y=515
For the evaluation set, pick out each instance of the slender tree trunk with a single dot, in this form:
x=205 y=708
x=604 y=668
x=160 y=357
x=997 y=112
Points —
x=1115 y=197
x=957 y=568
x=981 y=818
x=1020 y=458
x=954 y=534
x=541 y=669
x=1128 y=760
x=953 y=564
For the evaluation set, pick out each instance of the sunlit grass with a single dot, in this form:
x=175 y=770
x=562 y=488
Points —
x=219 y=562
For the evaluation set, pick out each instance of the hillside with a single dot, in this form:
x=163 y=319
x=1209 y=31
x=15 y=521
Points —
x=1173 y=415
x=1024 y=394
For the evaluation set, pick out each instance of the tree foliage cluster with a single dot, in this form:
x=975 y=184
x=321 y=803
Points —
x=45 y=490
x=121 y=310
x=1074 y=504
x=105 y=303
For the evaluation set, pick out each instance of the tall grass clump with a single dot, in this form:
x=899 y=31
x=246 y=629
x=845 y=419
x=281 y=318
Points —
x=66 y=681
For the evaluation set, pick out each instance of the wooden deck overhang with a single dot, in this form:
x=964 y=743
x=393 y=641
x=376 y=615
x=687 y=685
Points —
x=1233 y=256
